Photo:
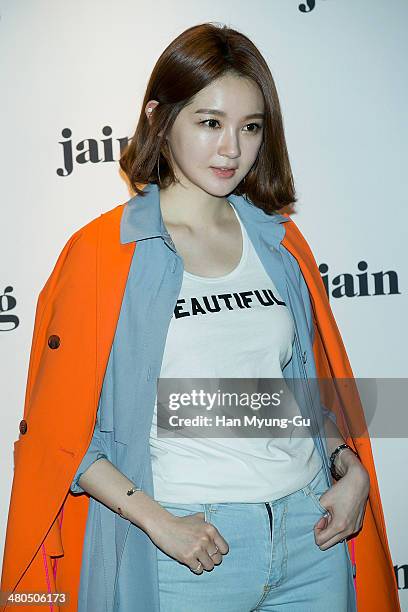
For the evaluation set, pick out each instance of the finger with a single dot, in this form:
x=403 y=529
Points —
x=215 y=555
x=219 y=541
x=335 y=540
x=197 y=567
x=207 y=563
x=322 y=523
x=331 y=533
x=208 y=560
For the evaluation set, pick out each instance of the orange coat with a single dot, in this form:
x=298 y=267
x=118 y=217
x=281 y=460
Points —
x=42 y=552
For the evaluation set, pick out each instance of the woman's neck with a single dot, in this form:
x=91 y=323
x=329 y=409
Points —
x=193 y=207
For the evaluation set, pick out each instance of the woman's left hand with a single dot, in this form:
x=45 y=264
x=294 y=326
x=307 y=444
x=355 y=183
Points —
x=346 y=502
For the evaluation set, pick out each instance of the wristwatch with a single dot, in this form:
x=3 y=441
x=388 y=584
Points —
x=334 y=454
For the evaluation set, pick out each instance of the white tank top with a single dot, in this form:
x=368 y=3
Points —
x=232 y=326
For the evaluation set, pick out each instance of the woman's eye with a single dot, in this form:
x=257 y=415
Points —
x=257 y=126
x=208 y=121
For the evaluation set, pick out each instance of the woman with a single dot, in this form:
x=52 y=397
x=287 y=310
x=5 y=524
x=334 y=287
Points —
x=197 y=276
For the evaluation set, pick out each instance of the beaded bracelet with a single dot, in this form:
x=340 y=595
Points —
x=334 y=454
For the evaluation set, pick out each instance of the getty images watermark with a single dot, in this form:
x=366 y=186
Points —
x=277 y=407
x=208 y=401
x=228 y=407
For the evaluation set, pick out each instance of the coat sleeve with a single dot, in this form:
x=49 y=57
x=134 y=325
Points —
x=41 y=317
x=99 y=445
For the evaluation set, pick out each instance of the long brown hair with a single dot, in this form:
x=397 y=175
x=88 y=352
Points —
x=194 y=59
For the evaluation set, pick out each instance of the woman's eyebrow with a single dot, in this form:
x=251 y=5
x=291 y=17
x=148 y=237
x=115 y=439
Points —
x=214 y=111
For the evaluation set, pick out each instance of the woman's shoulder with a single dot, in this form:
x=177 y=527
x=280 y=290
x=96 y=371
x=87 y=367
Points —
x=79 y=253
x=107 y=220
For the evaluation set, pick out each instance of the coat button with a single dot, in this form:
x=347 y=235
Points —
x=54 y=342
x=23 y=426
x=304 y=357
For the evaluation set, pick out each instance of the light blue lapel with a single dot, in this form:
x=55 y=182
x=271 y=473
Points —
x=142 y=218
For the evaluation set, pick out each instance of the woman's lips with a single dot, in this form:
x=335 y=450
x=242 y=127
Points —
x=223 y=173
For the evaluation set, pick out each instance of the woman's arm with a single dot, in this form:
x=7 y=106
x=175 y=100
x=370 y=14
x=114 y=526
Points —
x=190 y=540
x=346 y=500
x=103 y=481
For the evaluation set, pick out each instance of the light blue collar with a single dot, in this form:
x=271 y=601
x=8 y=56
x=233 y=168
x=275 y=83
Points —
x=142 y=216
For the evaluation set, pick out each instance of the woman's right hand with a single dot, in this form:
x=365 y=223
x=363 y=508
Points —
x=189 y=540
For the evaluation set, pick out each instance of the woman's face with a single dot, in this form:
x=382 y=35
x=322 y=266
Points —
x=221 y=127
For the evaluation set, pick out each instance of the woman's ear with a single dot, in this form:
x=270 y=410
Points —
x=149 y=108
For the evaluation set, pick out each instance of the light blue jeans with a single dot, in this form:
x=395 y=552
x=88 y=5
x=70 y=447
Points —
x=273 y=563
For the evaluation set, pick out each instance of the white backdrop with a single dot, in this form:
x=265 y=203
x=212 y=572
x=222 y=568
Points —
x=340 y=70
